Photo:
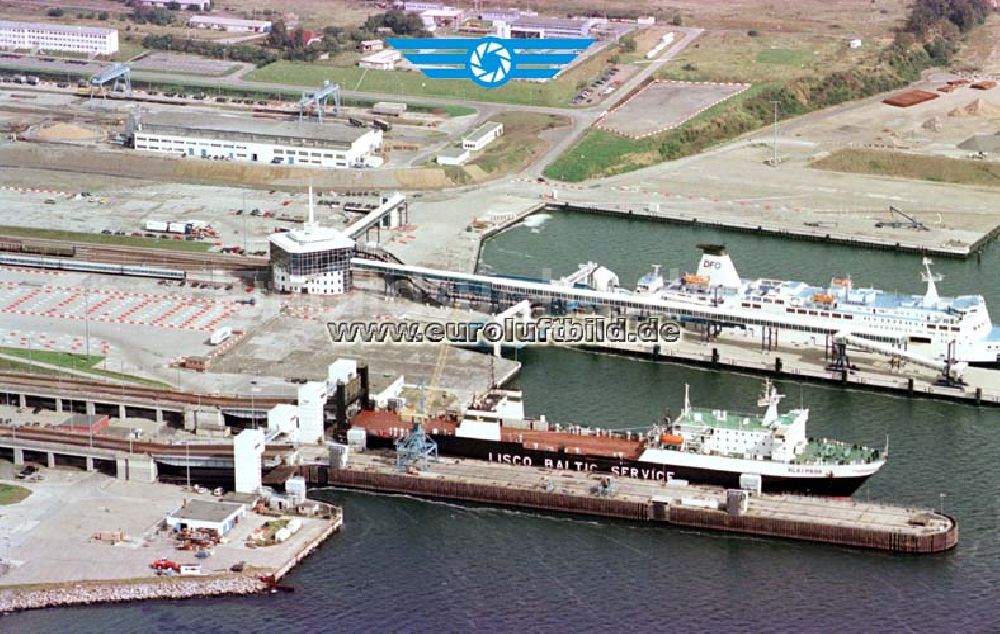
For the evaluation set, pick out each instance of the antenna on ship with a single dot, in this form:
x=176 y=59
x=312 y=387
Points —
x=931 y=296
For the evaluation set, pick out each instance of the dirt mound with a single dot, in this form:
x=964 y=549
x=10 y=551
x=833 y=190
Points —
x=933 y=124
x=977 y=108
x=65 y=132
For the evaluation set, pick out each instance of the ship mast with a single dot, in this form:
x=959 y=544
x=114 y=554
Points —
x=770 y=399
x=931 y=296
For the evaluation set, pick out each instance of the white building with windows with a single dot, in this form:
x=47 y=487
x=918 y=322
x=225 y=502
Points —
x=199 y=5
x=58 y=37
x=313 y=260
x=551 y=28
x=229 y=24
x=482 y=136
x=221 y=137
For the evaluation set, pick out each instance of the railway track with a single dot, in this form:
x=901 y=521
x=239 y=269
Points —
x=145 y=256
x=98 y=441
x=97 y=390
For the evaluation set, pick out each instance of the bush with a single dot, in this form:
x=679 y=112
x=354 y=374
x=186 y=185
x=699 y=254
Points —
x=629 y=44
x=104 y=16
x=753 y=32
x=55 y=12
x=677 y=20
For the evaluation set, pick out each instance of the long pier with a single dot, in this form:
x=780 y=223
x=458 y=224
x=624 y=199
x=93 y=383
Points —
x=831 y=521
x=818 y=234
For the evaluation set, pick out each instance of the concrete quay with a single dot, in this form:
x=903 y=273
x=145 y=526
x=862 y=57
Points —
x=51 y=557
x=826 y=520
x=928 y=243
x=806 y=364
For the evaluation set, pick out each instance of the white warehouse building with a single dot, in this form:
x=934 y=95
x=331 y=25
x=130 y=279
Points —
x=236 y=138
x=482 y=136
x=58 y=37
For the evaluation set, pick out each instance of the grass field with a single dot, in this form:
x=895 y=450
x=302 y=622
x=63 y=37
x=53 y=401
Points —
x=69 y=360
x=12 y=494
x=100 y=238
x=601 y=153
x=786 y=56
x=901 y=165
x=520 y=142
x=736 y=56
x=403 y=83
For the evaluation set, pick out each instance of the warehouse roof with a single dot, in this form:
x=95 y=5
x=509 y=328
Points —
x=482 y=131
x=297 y=133
x=204 y=511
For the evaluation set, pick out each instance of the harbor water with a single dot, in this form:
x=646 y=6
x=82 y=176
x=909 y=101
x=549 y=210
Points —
x=409 y=565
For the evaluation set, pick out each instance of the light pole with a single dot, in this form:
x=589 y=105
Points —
x=774 y=155
x=86 y=318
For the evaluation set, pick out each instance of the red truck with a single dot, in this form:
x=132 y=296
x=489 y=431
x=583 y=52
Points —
x=165 y=564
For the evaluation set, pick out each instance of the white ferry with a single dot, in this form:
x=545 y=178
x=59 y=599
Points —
x=939 y=328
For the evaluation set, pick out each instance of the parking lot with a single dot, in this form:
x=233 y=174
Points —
x=114 y=306
x=33 y=340
x=664 y=105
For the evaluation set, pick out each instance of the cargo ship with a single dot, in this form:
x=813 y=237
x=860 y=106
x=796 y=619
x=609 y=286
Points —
x=767 y=450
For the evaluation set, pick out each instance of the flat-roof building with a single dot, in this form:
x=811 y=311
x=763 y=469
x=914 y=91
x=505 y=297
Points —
x=309 y=144
x=371 y=46
x=200 y=5
x=452 y=156
x=313 y=260
x=382 y=60
x=551 y=28
x=482 y=136
x=219 y=517
x=58 y=37
x=229 y=24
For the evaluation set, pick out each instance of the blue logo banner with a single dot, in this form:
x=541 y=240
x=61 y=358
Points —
x=490 y=61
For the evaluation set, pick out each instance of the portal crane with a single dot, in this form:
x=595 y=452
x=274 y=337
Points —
x=116 y=73
x=318 y=98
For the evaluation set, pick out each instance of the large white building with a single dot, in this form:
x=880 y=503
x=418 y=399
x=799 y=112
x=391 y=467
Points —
x=308 y=144
x=313 y=260
x=58 y=37
x=229 y=24
x=551 y=28
x=202 y=5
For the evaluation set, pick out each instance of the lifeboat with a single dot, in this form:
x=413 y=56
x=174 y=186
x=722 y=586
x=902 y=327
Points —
x=823 y=298
x=841 y=281
x=695 y=280
x=671 y=439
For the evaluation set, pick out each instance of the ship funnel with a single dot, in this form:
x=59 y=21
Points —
x=717 y=266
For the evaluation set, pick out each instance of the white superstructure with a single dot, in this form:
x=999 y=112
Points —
x=312 y=260
x=58 y=37
x=928 y=325
x=772 y=444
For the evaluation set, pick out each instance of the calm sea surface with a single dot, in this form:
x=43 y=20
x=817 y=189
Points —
x=408 y=565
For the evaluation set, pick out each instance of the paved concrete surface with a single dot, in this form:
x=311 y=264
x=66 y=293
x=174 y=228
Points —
x=47 y=537
x=666 y=105
x=829 y=511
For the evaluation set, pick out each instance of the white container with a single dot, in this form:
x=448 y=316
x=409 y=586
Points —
x=157 y=225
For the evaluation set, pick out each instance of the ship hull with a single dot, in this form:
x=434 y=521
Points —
x=514 y=453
